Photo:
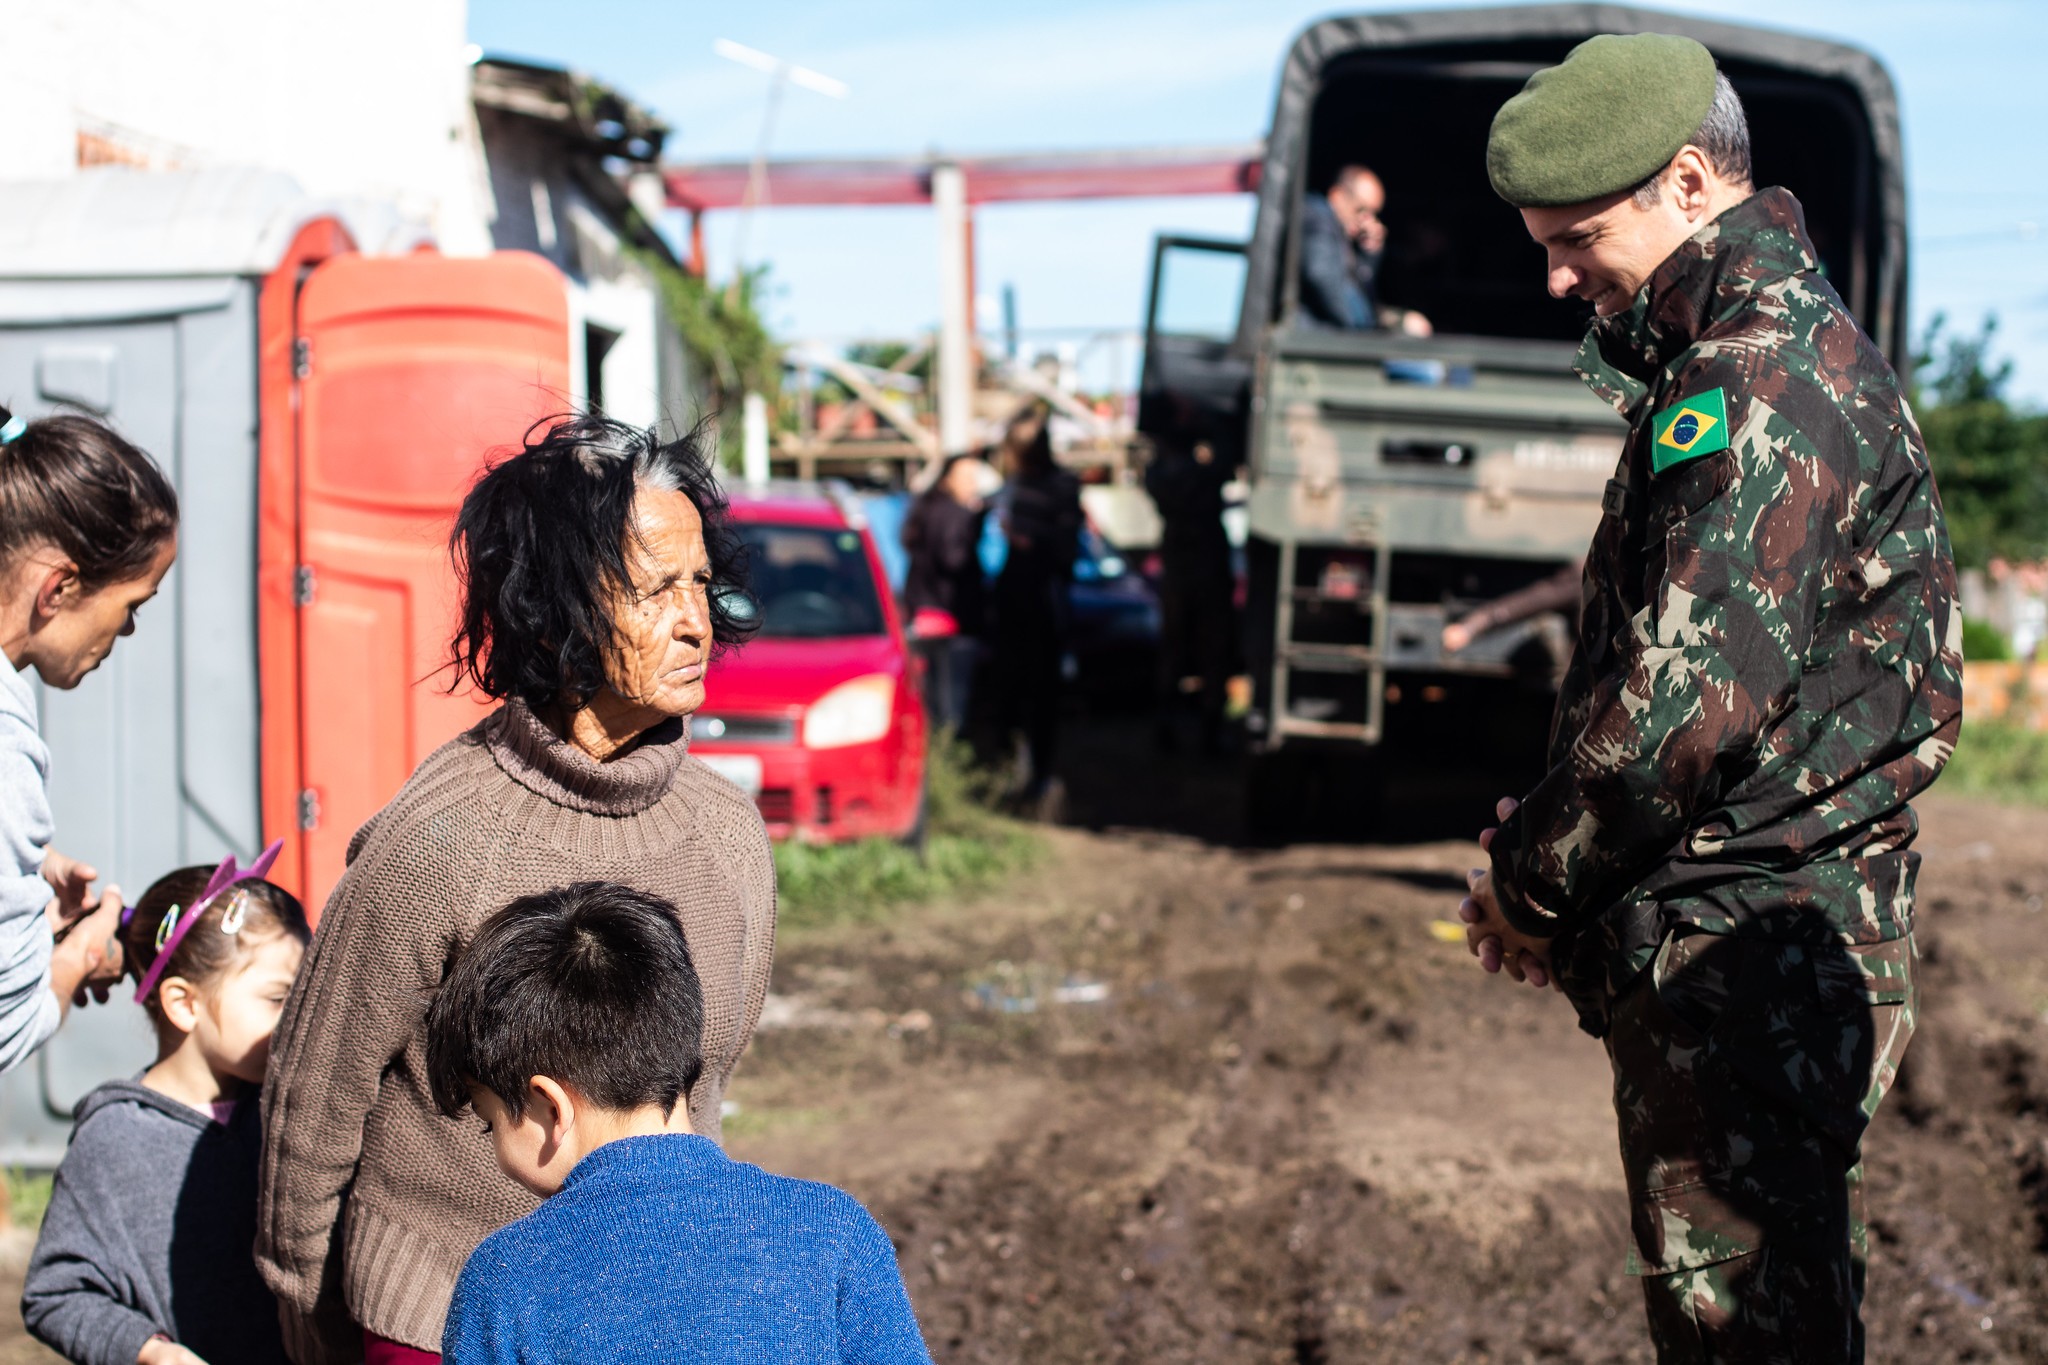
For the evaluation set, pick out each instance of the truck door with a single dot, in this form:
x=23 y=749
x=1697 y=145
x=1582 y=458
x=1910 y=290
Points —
x=1191 y=387
x=411 y=371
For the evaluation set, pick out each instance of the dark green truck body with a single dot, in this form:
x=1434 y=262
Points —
x=1396 y=482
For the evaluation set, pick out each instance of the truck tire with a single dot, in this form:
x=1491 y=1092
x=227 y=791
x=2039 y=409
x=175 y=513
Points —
x=1294 y=796
x=1277 y=787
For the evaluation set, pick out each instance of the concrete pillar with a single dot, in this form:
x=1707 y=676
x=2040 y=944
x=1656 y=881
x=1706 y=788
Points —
x=956 y=311
x=754 y=440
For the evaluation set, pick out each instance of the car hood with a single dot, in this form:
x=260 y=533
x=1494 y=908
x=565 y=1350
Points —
x=771 y=675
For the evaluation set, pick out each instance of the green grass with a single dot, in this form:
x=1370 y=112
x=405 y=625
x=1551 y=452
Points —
x=27 y=1196
x=968 y=846
x=753 y=1123
x=2000 y=760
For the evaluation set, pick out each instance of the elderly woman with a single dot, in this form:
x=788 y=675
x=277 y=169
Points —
x=599 y=576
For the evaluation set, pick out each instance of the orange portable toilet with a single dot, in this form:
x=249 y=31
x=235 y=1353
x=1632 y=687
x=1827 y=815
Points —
x=386 y=382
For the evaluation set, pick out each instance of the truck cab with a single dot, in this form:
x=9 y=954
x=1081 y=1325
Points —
x=1396 y=481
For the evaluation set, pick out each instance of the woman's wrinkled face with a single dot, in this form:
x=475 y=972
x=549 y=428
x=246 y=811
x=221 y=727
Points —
x=663 y=620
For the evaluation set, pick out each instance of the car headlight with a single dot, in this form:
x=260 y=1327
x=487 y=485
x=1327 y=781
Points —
x=856 y=712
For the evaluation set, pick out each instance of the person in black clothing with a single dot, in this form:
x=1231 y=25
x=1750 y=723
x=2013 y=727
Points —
x=1042 y=525
x=943 y=536
x=1196 y=614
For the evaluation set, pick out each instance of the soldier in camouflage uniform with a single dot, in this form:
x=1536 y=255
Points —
x=1717 y=869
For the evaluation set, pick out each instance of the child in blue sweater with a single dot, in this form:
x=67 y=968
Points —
x=572 y=1025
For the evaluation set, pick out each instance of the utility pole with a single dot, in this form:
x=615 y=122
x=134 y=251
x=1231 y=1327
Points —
x=780 y=74
x=755 y=431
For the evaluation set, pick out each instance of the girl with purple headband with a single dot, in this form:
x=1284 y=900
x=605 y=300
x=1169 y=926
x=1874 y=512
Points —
x=145 y=1255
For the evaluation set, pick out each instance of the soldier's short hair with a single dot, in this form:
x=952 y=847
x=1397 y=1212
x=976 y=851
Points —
x=1723 y=137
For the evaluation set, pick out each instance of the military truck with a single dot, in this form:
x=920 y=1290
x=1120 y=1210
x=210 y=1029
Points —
x=1397 y=482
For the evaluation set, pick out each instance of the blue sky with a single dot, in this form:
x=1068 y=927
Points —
x=1065 y=74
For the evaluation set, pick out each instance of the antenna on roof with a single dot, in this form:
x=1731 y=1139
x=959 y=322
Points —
x=780 y=74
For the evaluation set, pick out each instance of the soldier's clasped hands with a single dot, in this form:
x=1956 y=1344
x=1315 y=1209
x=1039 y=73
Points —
x=1498 y=945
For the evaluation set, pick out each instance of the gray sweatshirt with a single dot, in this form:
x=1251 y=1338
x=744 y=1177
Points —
x=28 y=1008
x=151 y=1229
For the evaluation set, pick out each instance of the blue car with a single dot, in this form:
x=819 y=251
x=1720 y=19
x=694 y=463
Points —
x=1113 y=655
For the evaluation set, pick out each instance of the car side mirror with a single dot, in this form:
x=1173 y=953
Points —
x=933 y=623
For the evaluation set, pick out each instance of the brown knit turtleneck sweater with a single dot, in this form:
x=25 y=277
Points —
x=371 y=1201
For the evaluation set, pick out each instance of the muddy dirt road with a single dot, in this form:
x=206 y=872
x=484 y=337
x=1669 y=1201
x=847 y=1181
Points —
x=1164 y=1100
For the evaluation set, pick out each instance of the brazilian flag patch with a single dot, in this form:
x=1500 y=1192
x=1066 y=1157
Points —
x=1691 y=427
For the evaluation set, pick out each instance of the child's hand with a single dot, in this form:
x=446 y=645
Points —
x=162 y=1351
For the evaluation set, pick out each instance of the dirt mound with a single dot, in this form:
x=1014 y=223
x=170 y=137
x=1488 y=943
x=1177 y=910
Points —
x=1164 y=1100
x=1286 y=1123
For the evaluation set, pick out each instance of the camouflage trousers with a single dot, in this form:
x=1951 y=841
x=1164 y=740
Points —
x=1745 y=1073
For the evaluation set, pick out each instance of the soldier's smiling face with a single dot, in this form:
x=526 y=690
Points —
x=1603 y=251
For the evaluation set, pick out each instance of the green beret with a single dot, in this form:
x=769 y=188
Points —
x=1615 y=111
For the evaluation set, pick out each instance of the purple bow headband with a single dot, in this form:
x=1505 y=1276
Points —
x=178 y=922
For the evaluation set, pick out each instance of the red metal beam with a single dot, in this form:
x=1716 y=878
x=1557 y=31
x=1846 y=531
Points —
x=990 y=179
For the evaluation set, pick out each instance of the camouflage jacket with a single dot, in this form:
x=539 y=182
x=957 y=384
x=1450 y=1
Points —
x=1769 y=660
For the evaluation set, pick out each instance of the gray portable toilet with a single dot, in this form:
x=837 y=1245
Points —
x=171 y=305
x=133 y=296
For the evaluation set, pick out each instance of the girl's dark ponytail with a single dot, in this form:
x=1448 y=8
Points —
x=69 y=482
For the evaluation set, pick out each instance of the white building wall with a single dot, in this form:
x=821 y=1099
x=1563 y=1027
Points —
x=368 y=100
x=631 y=376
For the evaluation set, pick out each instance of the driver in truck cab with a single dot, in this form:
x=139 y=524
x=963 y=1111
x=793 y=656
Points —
x=1342 y=240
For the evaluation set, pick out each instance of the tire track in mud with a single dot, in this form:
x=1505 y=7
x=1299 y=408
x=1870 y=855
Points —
x=1183 y=1198
x=1302 y=1130
x=1180 y=1198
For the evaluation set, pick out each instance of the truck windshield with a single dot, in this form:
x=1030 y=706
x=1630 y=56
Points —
x=812 y=582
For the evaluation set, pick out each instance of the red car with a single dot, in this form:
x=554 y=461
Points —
x=819 y=716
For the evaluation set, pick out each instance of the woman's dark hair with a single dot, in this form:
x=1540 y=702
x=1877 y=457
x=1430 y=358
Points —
x=204 y=953
x=591 y=985
x=71 y=483
x=540 y=550
x=915 y=527
x=1029 y=443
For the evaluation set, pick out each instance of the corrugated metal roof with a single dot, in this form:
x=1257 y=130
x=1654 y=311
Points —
x=116 y=221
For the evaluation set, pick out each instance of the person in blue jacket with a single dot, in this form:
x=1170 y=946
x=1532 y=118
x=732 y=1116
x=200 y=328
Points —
x=572 y=1025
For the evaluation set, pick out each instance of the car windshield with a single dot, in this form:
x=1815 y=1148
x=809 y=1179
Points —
x=812 y=582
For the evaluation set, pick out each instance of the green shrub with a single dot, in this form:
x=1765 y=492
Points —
x=1983 y=642
x=2000 y=760
x=28 y=1194
x=968 y=846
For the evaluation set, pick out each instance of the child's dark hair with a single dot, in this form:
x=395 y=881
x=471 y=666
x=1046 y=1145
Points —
x=591 y=985
x=71 y=483
x=203 y=952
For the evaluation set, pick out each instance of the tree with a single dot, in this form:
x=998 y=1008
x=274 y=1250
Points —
x=1990 y=459
x=728 y=343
